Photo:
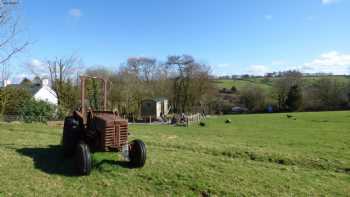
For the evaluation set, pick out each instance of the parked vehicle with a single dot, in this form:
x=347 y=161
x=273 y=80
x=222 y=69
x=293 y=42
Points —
x=239 y=110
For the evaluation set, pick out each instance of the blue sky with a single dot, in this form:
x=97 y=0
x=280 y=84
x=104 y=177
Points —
x=233 y=36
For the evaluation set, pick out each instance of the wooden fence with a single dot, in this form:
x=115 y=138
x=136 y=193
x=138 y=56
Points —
x=194 y=118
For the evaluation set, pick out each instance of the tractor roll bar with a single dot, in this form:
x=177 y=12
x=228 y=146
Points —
x=82 y=97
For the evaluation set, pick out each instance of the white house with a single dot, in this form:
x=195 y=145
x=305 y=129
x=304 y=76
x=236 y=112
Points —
x=39 y=88
x=45 y=93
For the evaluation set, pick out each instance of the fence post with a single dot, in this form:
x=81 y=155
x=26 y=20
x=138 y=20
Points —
x=150 y=120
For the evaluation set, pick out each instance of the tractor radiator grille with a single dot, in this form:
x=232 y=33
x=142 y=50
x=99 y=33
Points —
x=116 y=135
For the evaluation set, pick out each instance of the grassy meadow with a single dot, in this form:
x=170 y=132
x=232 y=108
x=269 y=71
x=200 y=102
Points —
x=255 y=155
x=266 y=83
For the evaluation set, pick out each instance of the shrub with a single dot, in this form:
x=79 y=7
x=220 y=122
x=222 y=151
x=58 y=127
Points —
x=12 y=99
x=202 y=124
x=62 y=112
x=233 y=89
x=36 y=111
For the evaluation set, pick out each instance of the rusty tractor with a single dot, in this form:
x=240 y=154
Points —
x=87 y=131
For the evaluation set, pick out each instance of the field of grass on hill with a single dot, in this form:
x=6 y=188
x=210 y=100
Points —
x=255 y=155
x=266 y=83
x=241 y=83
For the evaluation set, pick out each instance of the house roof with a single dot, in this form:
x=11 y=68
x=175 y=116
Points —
x=32 y=88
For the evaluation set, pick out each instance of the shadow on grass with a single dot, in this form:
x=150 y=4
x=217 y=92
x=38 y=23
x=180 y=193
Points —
x=98 y=164
x=51 y=160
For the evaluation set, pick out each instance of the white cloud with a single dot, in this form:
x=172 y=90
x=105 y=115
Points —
x=75 y=12
x=37 y=67
x=35 y=63
x=331 y=62
x=327 y=2
x=258 y=70
x=268 y=17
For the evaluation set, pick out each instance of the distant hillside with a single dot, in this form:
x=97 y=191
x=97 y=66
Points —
x=266 y=83
x=240 y=83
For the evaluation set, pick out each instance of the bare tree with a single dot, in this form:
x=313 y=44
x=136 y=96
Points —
x=136 y=79
x=142 y=66
x=186 y=83
x=9 y=45
x=5 y=72
x=61 y=71
x=191 y=83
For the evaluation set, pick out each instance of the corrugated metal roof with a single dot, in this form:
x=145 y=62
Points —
x=159 y=99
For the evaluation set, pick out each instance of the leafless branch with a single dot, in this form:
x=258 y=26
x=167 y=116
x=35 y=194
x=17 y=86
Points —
x=9 y=33
x=60 y=70
x=13 y=52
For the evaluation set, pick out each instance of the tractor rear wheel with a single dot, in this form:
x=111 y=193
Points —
x=70 y=136
x=137 y=153
x=83 y=159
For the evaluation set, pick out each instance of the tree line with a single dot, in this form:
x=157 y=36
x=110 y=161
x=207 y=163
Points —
x=291 y=91
x=186 y=83
x=181 y=79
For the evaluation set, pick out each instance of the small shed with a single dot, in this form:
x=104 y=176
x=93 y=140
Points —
x=154 y=108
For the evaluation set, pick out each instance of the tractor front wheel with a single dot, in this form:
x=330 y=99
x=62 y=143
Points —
x=137 y=153
x=70 y=136
x=83 y=159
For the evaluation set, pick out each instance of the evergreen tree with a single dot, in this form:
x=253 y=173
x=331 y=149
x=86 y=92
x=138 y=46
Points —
x=294 y=98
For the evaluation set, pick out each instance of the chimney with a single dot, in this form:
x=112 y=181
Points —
x=6 y=82
x=45 y=82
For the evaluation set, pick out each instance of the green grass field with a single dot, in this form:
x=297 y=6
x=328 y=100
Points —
x=241 y=83
x=255 y=155
x=266 y=83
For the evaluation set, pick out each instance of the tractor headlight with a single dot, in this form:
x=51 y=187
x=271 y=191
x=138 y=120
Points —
x=125 y=152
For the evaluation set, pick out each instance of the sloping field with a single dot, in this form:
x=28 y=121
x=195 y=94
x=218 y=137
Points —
x=266 y=83
x=255 y=155
x=241 y=83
